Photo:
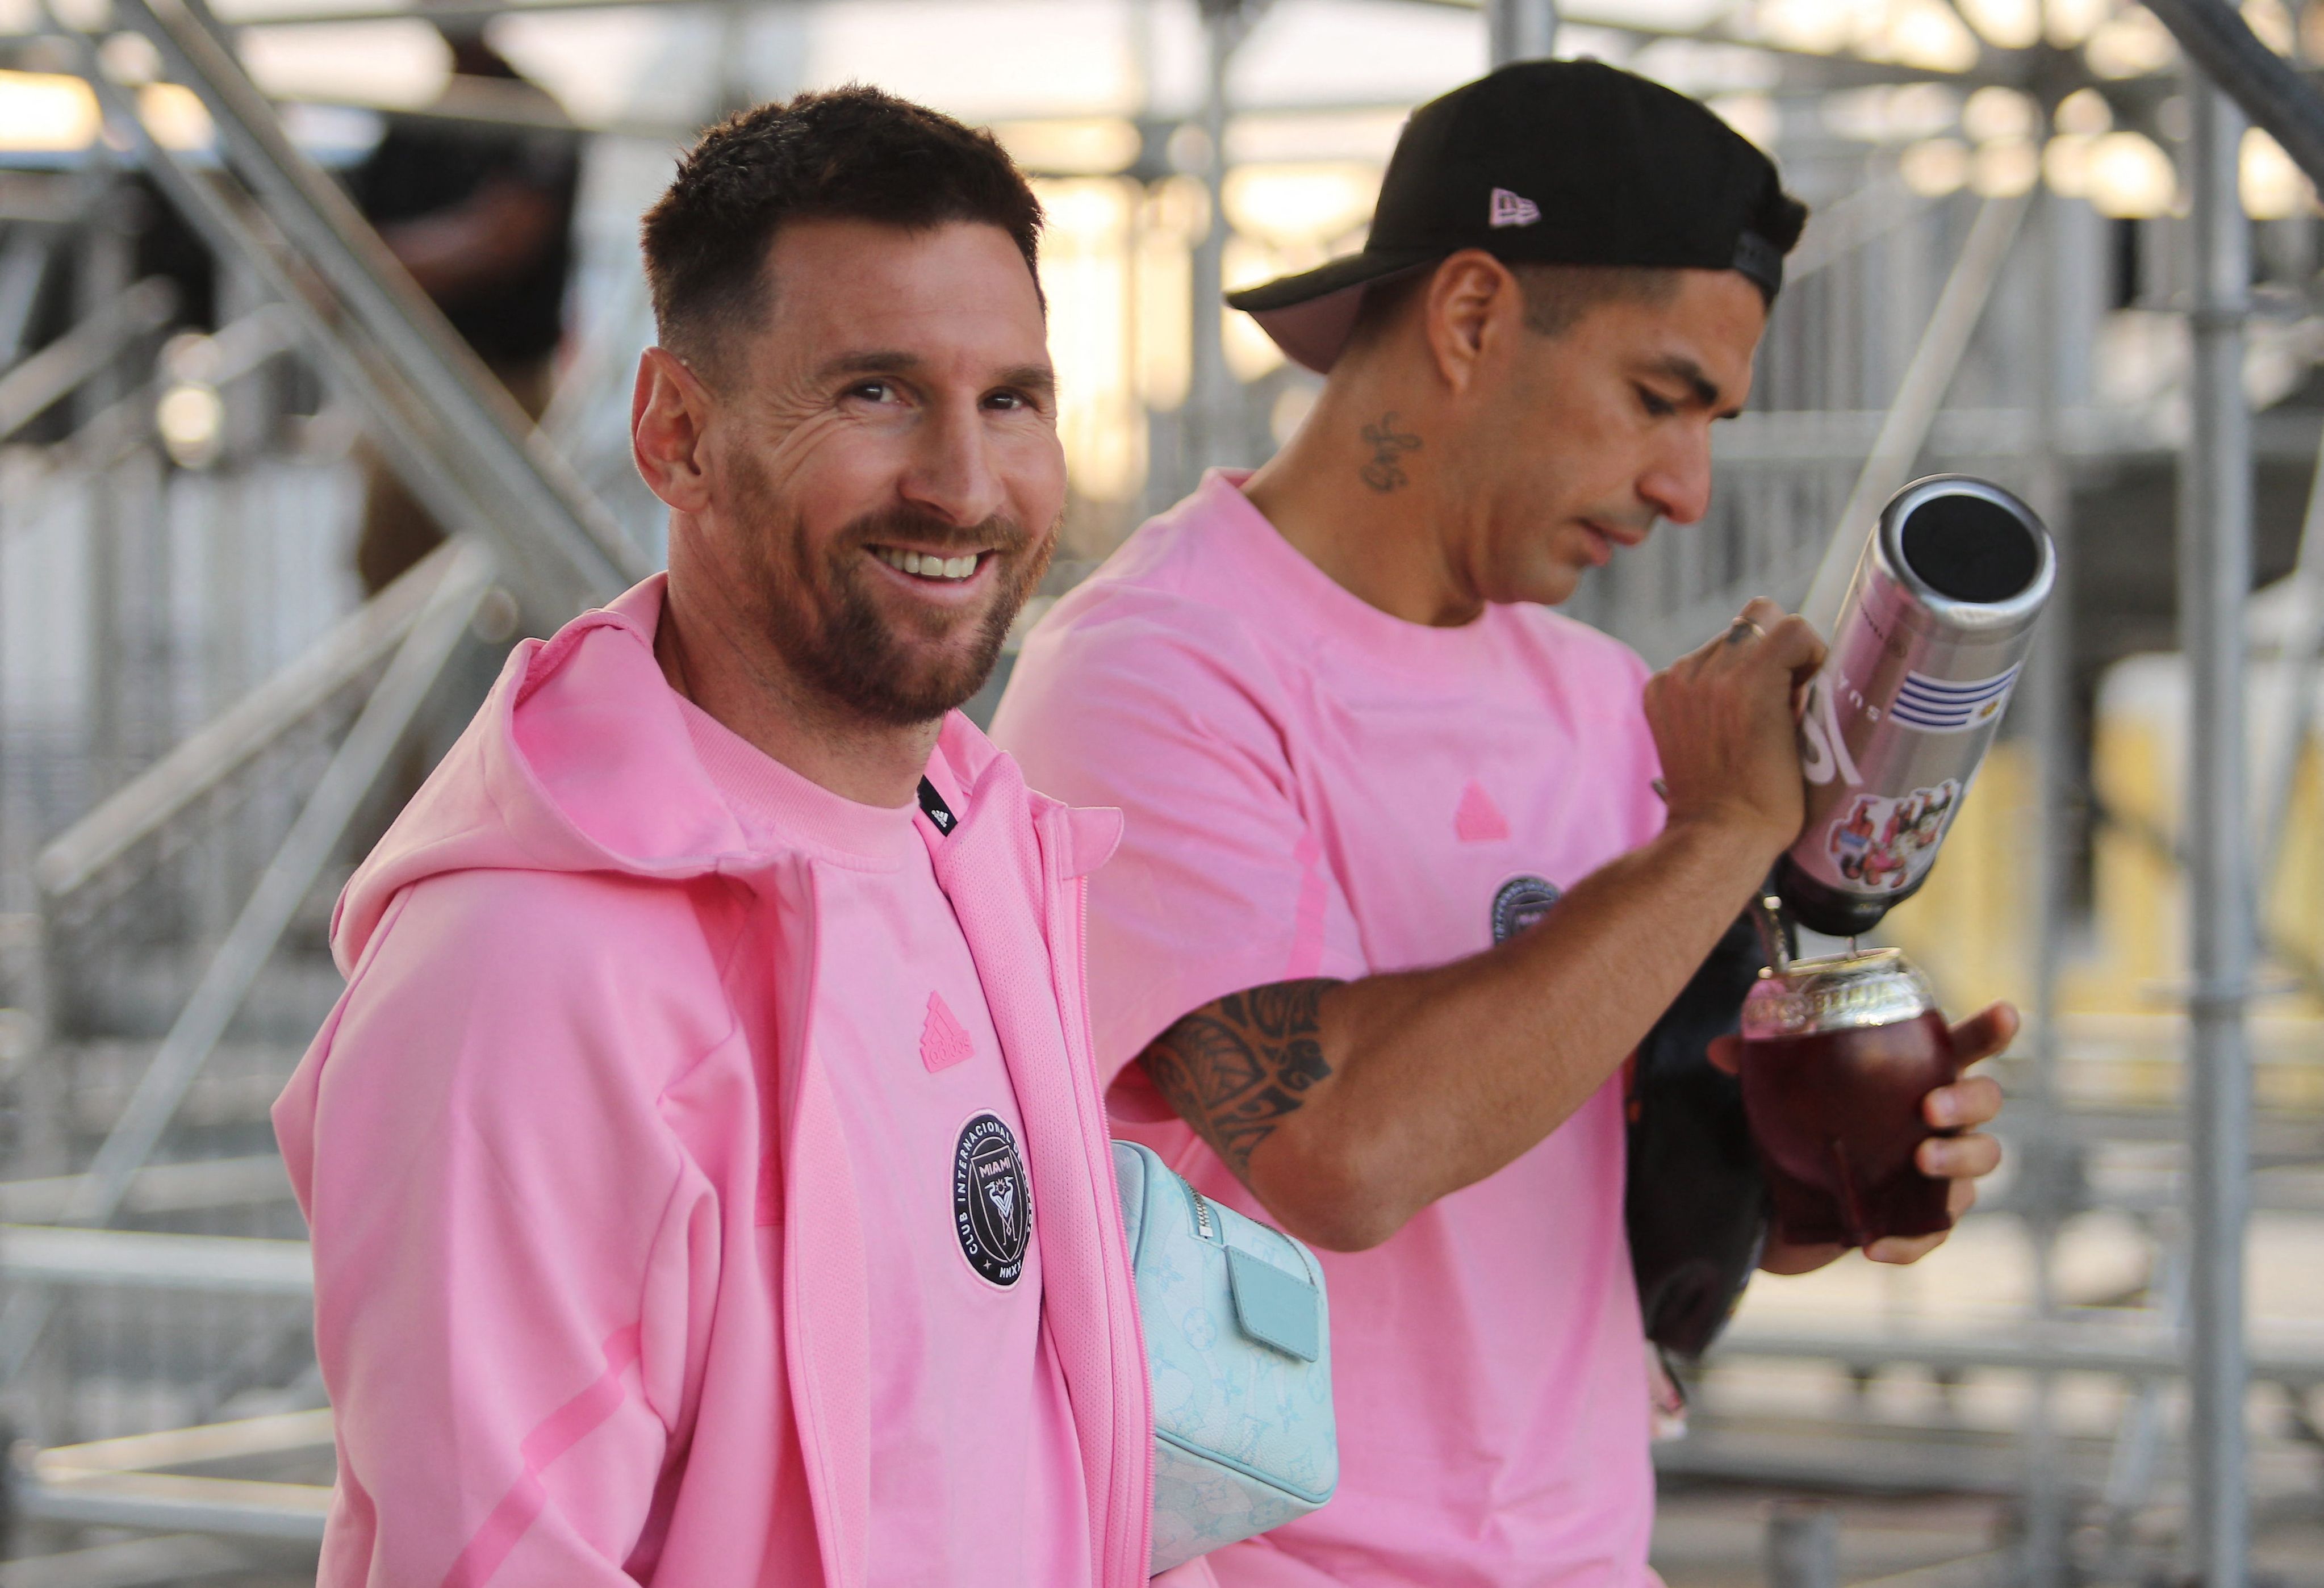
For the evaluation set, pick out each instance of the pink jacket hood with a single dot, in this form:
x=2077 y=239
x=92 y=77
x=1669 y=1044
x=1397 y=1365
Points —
x=589 y=1285
x=580 y=760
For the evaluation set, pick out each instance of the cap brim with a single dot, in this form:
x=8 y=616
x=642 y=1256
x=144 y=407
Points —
x=1311 y=315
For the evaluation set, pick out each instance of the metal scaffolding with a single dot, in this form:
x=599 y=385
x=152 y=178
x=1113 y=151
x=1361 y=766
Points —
x=166 y=858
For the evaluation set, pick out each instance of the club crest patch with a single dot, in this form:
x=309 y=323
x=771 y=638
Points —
x=1521 y=902
x=992 y=1202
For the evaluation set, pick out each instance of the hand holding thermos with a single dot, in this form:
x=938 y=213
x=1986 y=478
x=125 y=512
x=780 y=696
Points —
x=1847 y=1066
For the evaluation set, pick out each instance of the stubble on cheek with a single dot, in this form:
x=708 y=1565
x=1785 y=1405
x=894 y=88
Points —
x=827 y=612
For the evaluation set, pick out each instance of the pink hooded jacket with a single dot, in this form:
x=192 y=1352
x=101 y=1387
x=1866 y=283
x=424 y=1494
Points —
x=589 y=1286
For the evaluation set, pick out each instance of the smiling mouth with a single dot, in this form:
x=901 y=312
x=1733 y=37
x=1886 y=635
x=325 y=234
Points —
x=928 y=565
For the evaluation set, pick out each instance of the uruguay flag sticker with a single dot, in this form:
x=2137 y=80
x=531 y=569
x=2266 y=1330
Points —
x=1951 y=706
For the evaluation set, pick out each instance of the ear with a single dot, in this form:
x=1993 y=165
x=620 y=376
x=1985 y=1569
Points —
x=669 y=420
x=1473 y=299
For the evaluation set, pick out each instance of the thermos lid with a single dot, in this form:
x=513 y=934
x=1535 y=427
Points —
x=1975 y=560
x=1839 y=993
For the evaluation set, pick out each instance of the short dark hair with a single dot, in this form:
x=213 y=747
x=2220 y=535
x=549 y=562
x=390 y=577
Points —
x=853 y=154
x=1556 y=296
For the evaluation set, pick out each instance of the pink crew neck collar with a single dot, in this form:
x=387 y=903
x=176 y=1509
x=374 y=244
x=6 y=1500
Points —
x=1287 y=583
x=767 y=797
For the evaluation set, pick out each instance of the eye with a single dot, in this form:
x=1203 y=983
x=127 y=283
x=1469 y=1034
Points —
x=1009 y=400
x=872 y=391
x=1656 y=405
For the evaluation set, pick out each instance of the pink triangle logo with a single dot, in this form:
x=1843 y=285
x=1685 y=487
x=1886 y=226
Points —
x=944 y=1040
x=1478 y=820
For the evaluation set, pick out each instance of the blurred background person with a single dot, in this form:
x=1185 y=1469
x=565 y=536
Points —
x=474 y=198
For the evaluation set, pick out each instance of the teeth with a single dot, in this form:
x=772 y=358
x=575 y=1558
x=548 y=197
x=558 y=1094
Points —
x=928 y=567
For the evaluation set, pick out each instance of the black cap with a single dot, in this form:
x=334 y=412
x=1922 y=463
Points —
x=1549 y=162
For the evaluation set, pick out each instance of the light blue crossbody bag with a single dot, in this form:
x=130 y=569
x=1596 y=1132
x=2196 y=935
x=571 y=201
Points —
x=1239 y=1342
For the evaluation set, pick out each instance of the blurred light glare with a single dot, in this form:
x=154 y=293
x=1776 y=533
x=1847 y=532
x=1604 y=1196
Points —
x=2086 y=112
x=1929 y=35
x=1818 y=27
x=1934 y=167
x=2067 y=25
x=2066 y=164
x=2129 y=177
x=1752 y=115
x=1892 y=115
x=1999 y=113
x=1247 y=261
x=393 y=63
x=190 y=420
x=2006 y=24
x=1080 y=146
x=2272 y=187
x=1294 y=205
x=2005 y=167
x=174 y=115
x=130 y=59
x=1087 y=276
x=44 y=112
x=2271 y=21
x=2134 y=44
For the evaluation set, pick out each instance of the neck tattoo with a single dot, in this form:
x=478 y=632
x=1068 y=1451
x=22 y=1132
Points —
x=1385 y=471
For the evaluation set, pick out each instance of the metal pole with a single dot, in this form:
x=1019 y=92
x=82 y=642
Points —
x=1520 y=29
x=411 y=675
x=401 y=691
x=2267 y=86
x=2050 y=1159
x=1211 y=391
x=1803 y=1547
x=2215 y=562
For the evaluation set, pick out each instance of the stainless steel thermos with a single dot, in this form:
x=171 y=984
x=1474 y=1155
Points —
x=1923 y=655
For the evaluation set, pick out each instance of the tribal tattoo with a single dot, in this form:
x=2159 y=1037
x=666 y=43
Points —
x=1385 y=471
x=1233 y=1069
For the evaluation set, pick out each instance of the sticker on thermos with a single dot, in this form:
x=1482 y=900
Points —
x=1947 y=706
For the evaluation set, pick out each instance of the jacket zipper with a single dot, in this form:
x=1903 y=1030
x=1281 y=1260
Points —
x=1076 y=987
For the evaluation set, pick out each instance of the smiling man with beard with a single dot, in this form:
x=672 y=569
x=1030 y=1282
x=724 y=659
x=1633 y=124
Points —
x=707 y=1177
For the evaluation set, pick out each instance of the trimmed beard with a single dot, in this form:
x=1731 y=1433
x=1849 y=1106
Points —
x=828 y=628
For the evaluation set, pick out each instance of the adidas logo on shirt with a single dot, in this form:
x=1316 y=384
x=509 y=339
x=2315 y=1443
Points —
x=1509 y=209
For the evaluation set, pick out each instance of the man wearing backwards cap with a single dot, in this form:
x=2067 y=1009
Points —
x=1396 y=897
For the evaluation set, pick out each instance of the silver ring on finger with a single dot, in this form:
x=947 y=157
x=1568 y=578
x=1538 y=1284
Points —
x=1743 y=628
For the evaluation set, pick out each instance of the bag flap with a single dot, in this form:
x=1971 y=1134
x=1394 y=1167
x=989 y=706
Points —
x=1275 y=1309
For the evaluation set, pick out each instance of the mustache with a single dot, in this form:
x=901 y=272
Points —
x=904 y=525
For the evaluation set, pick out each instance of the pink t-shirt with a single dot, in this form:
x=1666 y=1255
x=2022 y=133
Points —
x=976 y=1479
x=1315 y=788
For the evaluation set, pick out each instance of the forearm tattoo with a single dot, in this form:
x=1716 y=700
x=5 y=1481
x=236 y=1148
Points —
x=1385 y=472
x=1233 y=1069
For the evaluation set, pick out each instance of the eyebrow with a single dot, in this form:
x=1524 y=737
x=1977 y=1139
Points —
x=1038 y=377
x=1684 y=370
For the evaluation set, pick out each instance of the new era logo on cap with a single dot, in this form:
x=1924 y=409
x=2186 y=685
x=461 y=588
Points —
x=1510 y=211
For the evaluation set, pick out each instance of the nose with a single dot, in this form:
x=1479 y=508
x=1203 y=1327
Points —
x=952 y=472
x=1677 y=481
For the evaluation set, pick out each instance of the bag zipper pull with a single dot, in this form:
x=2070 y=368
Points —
x=1202 y=1213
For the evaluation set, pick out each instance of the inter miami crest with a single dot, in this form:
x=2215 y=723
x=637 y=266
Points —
x=1521 y=902
x=992 y=1205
